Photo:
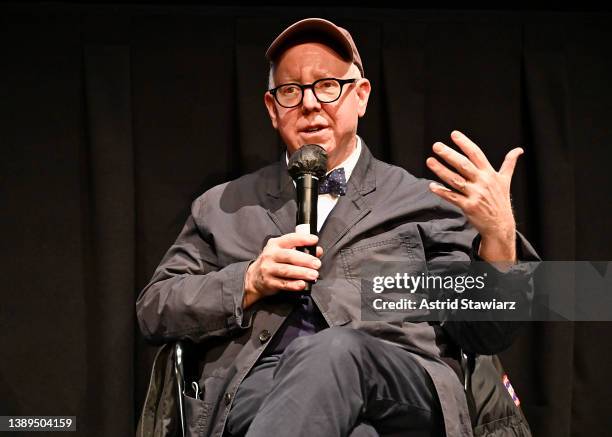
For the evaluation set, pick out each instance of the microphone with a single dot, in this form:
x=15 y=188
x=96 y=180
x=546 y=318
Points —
x=306 y=167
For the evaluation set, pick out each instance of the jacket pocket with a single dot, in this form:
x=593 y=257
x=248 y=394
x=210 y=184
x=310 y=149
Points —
x=384 y=255
x=196 y=416
x=382 y=270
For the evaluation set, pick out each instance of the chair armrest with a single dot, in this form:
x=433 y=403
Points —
x=179 y=374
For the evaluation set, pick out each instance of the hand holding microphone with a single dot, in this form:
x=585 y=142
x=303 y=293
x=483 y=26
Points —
x=279 y=266
x=307 y=166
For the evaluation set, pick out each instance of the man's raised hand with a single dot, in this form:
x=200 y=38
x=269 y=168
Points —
x=481 y=192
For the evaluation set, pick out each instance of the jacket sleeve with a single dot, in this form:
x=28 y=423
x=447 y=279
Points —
x=451 y=238
x=190 y=295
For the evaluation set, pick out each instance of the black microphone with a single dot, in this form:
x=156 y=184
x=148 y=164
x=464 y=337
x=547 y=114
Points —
x=306 y=167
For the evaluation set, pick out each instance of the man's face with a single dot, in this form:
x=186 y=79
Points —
x=331 y=125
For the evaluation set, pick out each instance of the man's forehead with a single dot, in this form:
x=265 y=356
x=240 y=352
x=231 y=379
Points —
x=310 y=52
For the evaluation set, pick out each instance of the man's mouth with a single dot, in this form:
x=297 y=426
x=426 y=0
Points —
x=314 y=129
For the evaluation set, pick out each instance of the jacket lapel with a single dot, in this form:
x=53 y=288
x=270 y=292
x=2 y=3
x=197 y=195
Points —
x=352 y=207
x=280 y=203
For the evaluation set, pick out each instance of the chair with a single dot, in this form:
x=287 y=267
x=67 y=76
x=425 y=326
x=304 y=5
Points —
x=179 y=374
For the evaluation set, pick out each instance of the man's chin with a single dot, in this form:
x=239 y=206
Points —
x=322 y=138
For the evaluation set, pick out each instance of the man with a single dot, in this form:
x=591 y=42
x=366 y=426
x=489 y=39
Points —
x=279 y=364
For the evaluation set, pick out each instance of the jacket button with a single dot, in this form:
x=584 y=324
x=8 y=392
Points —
x=227 y=398
x=264 y=336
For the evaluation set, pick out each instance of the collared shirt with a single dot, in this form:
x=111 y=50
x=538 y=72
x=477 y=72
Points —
x=326 y=202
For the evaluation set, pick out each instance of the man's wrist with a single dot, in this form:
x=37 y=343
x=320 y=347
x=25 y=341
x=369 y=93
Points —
x=499 y=249
x=250 y=296
x=249 y=299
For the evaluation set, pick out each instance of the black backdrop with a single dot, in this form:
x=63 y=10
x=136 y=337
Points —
x=114 y=118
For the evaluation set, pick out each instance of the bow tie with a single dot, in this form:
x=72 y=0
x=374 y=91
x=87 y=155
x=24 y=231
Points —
x=333 y=183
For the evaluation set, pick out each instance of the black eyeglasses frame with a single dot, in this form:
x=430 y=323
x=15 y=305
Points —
x=304 y=87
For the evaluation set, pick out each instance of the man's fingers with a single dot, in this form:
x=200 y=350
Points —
x=288 y=271
x=284 y=268
x=509 y=164
x=286 y=284
x=471 y=150
x=448 y=176
x=296 y=258
x=461 y=163
x=294 y=239
x=447 y=194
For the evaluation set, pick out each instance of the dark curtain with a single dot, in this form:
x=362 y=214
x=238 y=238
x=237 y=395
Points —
x=114 y=118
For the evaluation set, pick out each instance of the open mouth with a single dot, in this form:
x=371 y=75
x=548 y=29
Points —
x=314 y=129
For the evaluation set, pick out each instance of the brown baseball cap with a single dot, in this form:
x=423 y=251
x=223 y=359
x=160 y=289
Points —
x=319 y=30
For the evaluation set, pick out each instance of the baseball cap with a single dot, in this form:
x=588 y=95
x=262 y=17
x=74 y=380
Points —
x=319 y=30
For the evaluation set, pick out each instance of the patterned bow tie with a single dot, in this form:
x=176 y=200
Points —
x=333 y=183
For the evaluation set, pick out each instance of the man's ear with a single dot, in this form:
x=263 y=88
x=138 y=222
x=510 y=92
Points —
x=363 y=94
x=270 y=105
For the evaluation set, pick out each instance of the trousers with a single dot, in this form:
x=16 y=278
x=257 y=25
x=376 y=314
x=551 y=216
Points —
x=338 y=382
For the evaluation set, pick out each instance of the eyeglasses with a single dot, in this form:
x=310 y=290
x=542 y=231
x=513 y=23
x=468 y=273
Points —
x=326 y=90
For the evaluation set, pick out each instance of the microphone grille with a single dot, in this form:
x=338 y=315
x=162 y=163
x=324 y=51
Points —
x=308 y=159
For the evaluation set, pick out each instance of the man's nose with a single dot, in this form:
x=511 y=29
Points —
x=309 y=101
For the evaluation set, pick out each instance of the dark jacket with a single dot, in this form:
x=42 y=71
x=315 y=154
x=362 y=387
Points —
x=386 y=216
